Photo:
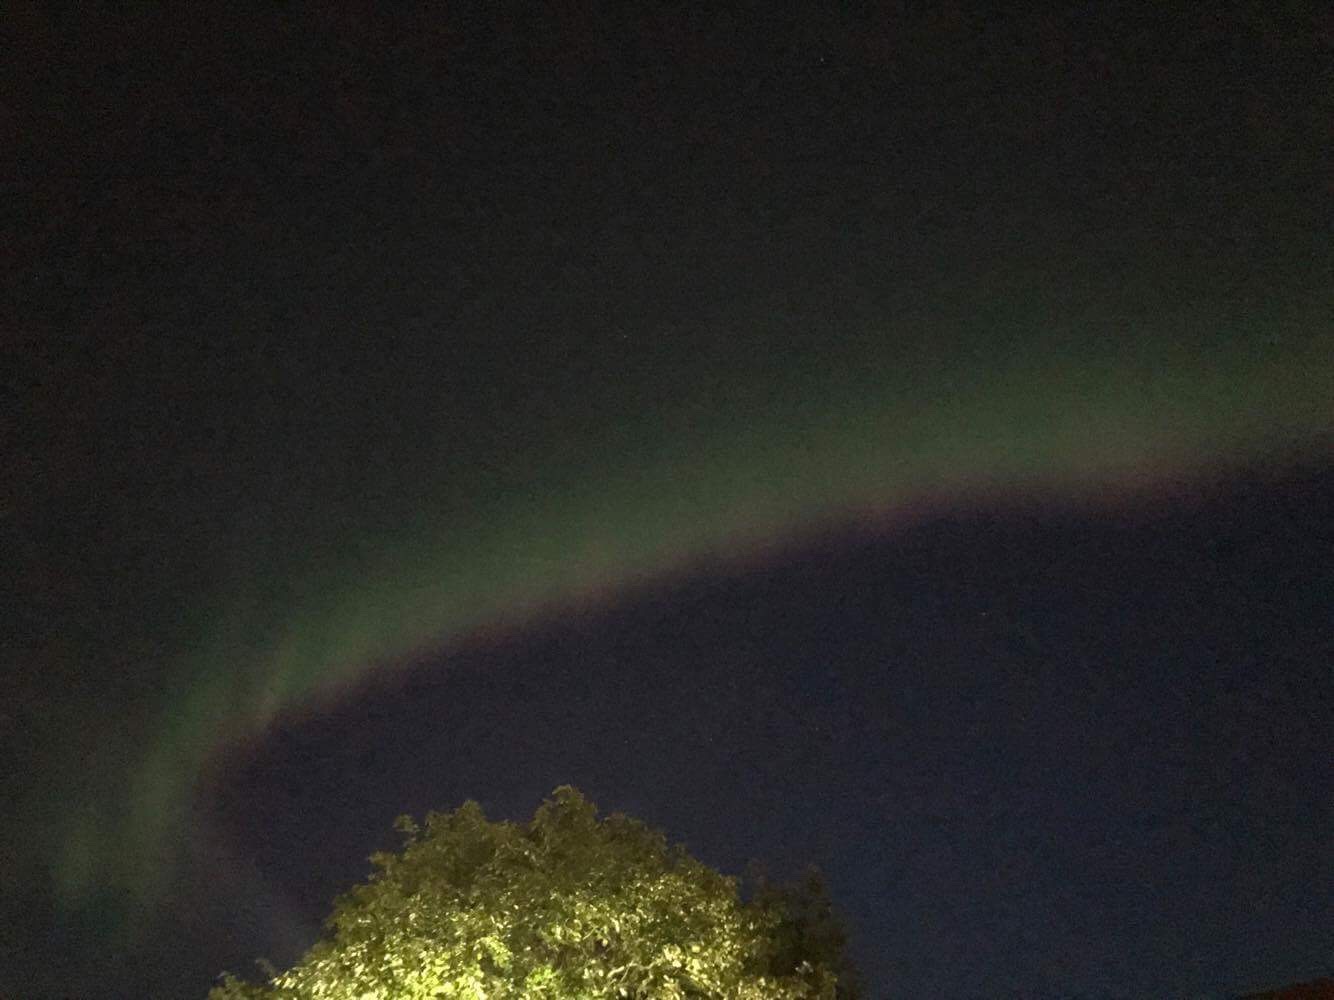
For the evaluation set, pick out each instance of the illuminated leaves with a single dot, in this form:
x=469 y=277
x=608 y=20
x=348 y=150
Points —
x=566 y=906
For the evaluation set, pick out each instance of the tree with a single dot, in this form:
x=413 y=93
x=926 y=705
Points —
x=567 y=905
x=806 y=928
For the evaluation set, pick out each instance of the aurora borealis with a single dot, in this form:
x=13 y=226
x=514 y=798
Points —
x=334 y=365
x=807 y=455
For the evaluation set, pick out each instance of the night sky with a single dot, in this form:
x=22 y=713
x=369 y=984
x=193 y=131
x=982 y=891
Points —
x=893 y=441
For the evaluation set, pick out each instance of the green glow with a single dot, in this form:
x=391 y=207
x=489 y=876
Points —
x=1104 y=396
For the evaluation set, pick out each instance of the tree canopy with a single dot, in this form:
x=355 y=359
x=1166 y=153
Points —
x=567 y=905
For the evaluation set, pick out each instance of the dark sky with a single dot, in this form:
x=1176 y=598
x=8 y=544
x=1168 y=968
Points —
x=898 y=442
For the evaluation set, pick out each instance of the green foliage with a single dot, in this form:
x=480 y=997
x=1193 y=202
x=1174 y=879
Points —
x=806 y=929
x=565 y=906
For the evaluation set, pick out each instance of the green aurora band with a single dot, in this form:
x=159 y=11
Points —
x=1084 y=397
